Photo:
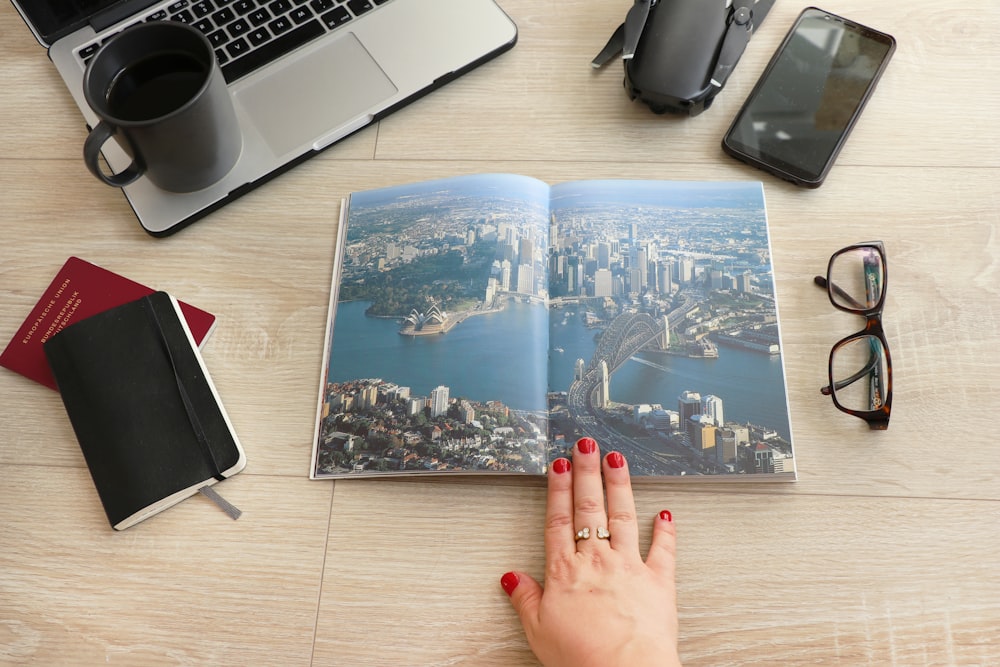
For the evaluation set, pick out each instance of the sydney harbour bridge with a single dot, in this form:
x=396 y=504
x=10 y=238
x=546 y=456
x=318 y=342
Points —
x=627 y=335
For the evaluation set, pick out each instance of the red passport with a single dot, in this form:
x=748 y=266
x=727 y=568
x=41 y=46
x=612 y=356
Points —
x=79 y=290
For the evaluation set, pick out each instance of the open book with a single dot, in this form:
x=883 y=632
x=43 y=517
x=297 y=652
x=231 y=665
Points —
x=481 y=324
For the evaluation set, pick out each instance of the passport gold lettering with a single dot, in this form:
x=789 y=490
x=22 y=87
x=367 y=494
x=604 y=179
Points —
x=45 y=313
x=38 y=322
x=63 y=318
x=73 y=305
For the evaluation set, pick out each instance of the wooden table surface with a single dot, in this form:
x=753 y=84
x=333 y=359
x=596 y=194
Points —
x=885 y=552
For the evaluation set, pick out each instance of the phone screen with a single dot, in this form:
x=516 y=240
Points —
x=798 y=115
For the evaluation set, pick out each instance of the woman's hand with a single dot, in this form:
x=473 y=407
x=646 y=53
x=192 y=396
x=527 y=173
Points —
x=601 y=606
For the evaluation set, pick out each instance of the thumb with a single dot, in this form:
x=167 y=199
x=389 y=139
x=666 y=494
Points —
x=525 y=594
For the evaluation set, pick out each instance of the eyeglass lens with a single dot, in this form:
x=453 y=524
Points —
x=860 y=370
x=857 y=278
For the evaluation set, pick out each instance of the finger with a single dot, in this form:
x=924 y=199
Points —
x=621 y=505
x=525 y=595
x=559 y=512
x=588 y=490
x=662 y=556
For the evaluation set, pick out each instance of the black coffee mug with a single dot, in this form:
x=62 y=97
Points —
x=160 y=94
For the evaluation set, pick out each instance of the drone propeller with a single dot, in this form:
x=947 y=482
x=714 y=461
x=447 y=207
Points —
x=611 y=49
x=635 y=21
x=625 y=39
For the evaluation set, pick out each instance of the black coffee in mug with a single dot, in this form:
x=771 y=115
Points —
x=159 y=93
x=156 y=86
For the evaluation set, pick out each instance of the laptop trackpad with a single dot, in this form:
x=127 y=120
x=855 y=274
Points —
x=311 y=97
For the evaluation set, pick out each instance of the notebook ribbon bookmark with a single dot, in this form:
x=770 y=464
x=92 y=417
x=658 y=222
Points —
x=223 y=504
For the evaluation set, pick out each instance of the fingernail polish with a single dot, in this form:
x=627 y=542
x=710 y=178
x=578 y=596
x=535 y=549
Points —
x=666 y=515
x=616 y=460
x=560 y=466
x=509 y=582
x=586 y=445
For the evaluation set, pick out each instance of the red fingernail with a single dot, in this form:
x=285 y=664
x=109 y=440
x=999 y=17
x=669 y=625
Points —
x=586 y=445
x=616 y=460
x=509 y=582
x=559 y=466
x=666 y=515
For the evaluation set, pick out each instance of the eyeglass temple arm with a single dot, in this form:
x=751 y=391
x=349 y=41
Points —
x=821 y=281
x=868 y=369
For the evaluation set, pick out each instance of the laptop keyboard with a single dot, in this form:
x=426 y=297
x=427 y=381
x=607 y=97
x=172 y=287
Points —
x=248 y=34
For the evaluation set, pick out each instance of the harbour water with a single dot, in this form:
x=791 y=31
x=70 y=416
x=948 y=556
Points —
x=498 y=357
x=488 y=357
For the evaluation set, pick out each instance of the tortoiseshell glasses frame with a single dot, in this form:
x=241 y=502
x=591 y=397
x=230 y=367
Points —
x=860 y=367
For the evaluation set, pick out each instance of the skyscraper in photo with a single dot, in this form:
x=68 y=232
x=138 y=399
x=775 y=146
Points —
x=711 y=406
x=603 y=283
x=439 y=401
x=688 y=405
x=664 y=277
x=603 y=255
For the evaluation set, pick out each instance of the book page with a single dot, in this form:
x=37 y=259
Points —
x=664 y=327
x=438 y=352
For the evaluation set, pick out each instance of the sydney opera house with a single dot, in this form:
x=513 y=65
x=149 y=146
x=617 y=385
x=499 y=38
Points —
x=423 y=324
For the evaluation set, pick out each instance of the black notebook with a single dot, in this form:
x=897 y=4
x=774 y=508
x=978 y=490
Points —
x=148 y=418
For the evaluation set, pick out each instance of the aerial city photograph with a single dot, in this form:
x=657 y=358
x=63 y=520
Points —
x=482 y=324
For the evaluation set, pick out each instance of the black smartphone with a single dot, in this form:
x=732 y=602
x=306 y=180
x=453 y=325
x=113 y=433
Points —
x=800 y=112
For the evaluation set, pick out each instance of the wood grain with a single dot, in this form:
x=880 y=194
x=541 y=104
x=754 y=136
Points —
x=883 y=553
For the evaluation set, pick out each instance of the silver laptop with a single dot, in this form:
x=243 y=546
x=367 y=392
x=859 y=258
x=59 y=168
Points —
x=303 y=73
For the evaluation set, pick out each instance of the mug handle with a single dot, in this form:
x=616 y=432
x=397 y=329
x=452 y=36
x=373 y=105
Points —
x=92 y=151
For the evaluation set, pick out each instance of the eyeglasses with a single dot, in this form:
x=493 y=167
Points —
x=860 y=367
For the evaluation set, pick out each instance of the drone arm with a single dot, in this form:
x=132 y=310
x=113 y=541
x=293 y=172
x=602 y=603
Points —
x=733 y=44
x=743 y=20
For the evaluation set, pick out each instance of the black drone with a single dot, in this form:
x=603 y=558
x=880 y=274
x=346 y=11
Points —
x=679 y=53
